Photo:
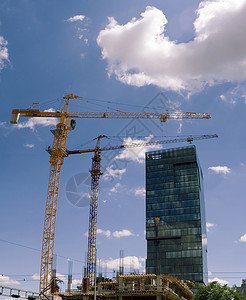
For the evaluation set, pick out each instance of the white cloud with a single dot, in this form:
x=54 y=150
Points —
x=237 y=94
x=209 y=225
x=129 y=262
x=220 y=281
x=61 y=277
x=136 y=154
x=4 y=55
x=106 y=233
x=140 y=52
x=111 y=173
x=228 y=100
x=39 y=121
x=6 y=280
x=116 y=234
x=140 y=191
x=3 y=124
x=77 y=282
x=223 y=97
x=76 y=18
x=122 y=233
x=243 y=238
x=29 y=145
x=119 y=188
x=115 y=189
x=220 y=169
x=85 y=195
x=36 y=276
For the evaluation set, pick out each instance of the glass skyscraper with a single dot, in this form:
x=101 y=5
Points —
x=175 y=215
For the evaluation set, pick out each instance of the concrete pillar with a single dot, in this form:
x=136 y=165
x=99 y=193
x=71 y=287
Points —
x=159 y=283
x=121 y=286
x=158 y=297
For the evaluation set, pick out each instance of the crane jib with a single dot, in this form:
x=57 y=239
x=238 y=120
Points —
x=36 y=113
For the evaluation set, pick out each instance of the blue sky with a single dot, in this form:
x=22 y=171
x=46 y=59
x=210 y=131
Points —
x=130 y=53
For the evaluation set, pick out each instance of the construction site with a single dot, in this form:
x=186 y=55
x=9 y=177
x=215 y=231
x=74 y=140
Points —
x=155 y=283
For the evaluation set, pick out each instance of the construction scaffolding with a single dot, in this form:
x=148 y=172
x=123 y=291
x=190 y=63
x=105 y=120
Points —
x=146 y=286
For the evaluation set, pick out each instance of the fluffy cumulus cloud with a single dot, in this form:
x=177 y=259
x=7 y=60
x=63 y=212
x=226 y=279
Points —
x=243 y=238
x=140 y=191
x=3 y=125
x=115 y=189
x=106 y=233
x=36 y=276
x=209 y=226
x=237 y=94
x=140 y=52
x=32 y=123
x=6 y=280
x=122 y=233
x=76 y=18
x=129 y=262
x=115 y=234
x=4 y=55
x=112 y=173
x=220 y=281
x=29 y=145
x=136 y=154
x=77 y=282
x=220 y=169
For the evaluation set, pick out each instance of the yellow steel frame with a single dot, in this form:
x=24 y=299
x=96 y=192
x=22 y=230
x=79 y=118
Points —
x=56 y=161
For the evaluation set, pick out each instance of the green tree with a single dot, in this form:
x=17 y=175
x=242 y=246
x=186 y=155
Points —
x=214 y=291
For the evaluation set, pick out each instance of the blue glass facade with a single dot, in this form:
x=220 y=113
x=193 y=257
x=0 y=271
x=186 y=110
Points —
x=175 y=215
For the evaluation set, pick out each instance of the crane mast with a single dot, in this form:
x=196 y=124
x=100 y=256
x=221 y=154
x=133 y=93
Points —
x=95 y=176
x=56 y=161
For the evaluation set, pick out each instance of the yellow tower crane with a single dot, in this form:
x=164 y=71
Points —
x=58 y=152
x=95 y=176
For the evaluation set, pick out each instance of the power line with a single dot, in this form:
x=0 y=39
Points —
x=38 y=250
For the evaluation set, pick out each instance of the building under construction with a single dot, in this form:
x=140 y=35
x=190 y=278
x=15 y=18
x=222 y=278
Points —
x=147 y=286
